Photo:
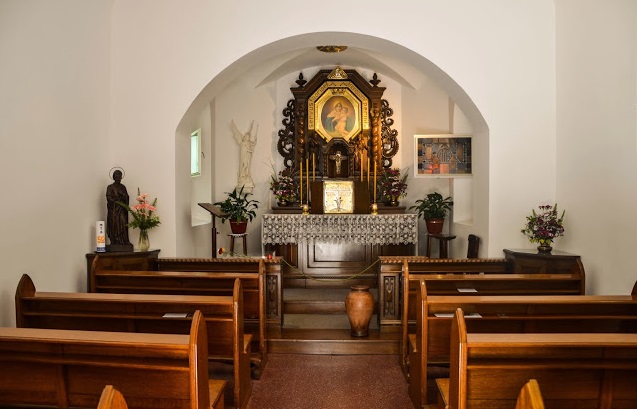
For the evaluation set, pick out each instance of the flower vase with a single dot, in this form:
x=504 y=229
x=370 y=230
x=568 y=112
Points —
x=393 y=201
x=282 y=203
x=144 y=243
x=545 y=247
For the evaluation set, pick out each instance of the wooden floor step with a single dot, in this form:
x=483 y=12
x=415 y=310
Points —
x=333 y=342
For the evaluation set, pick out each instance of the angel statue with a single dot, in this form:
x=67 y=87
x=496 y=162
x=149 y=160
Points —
x=246 y=143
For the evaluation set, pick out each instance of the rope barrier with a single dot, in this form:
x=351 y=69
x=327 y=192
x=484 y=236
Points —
x=284 y=261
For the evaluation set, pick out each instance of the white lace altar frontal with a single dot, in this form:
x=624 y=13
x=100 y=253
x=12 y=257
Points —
x=340 y=228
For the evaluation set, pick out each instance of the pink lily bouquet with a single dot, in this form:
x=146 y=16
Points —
x=143 y=213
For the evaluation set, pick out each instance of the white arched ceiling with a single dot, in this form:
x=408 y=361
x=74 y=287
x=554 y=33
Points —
x=294 y=54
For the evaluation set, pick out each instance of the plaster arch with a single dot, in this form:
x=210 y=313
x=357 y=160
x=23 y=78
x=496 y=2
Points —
x=293 y=54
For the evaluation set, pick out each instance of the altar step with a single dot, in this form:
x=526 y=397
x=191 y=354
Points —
x=315 y=322
x=384 y=341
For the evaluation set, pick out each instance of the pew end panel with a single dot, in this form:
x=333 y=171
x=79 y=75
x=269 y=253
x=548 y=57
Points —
x=111 y=398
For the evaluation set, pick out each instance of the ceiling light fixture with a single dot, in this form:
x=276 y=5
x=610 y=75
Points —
x=331 y=48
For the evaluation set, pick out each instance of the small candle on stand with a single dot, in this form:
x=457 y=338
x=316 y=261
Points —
x=314 y=167
x=374 y=181
x=368 y=170
x=307 y=185
x=361 y=165
x=301 y=180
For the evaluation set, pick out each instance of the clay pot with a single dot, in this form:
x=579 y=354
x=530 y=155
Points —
x=360 y=307
x=434 y=226
x=238 y=227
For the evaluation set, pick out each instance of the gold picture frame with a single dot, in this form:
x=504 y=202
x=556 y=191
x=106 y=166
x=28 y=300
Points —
x=338 y=196
x=338 y=109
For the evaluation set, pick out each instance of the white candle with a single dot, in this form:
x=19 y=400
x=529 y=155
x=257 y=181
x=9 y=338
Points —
x=100 y=237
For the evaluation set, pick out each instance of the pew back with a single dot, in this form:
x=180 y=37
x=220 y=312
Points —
x=66 y=368
x=146 y=313
x=583 y=371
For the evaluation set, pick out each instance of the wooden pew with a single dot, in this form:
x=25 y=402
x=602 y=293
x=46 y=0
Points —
x=147 y=313
x=507 y=276
x=111 y=399
x=429 y=346
x=530 y=396
x=477 y=276
x=195 y=283
x=67 y=368
x=583 y=370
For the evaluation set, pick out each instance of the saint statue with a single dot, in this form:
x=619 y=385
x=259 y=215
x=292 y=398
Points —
x=246 y=143
x=117 y=217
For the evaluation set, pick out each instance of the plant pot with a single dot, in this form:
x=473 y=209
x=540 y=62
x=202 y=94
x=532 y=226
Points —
x=238 y=227
x=360 y=307
x=434 y=226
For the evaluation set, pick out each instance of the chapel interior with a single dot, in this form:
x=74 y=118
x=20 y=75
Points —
x=535 y=103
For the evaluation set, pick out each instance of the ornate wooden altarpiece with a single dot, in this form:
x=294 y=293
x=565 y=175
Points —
x=338 y=127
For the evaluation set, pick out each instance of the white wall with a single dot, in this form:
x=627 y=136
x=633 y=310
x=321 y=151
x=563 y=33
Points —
x=54 y=82
x=597 y=144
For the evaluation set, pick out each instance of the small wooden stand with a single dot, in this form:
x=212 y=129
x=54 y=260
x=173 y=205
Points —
x=215 y=211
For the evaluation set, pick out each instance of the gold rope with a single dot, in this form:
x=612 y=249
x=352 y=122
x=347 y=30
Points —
x=329 y=279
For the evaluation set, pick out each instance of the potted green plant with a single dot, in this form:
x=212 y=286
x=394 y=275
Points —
x=433 y=208
x=239 y=209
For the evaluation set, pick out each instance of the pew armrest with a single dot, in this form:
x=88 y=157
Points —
x=443 y=392
x=247 y=339
x=216 y=387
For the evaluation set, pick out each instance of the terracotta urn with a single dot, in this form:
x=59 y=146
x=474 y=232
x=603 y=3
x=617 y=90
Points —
x=360 y=307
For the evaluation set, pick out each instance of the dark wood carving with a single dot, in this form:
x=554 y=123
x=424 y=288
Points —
x=389 y=137
x=300 y=142
x=286 y=143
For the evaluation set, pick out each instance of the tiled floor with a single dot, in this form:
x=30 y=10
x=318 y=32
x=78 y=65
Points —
x=291 y=381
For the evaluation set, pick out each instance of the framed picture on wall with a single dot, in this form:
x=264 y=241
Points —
x=442 y=155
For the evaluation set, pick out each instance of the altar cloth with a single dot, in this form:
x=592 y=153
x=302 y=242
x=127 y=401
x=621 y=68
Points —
x=380 y=229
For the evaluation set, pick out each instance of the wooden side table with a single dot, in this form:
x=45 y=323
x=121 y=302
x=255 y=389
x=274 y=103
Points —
x=443 y=241
x=244 y=236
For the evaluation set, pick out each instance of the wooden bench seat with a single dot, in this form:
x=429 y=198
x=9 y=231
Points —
x=147 y=313
x=68 y=368
x=583 y=370
x=194 y=283
x=530 y=396
x=429 y=345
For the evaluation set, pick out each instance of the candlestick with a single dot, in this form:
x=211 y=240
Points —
x=374 y=181
x=368 y=171
x=314 y=167
x=361 y=165
x=307 y=185
x=301 y=180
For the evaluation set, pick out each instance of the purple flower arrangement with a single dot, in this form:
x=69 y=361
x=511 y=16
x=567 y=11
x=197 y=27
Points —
x=544 y=226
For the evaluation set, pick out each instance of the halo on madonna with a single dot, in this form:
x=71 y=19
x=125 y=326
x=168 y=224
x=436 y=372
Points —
x=113 y=169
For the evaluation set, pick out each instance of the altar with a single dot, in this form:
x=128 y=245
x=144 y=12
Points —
x=336 y=250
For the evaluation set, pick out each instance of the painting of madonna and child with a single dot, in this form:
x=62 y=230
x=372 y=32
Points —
x=443 y=155
x=338 y=117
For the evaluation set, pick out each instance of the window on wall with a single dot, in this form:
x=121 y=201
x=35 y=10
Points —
x=195 y=153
